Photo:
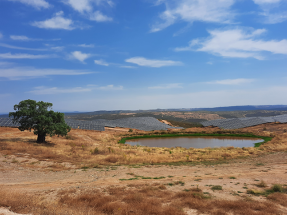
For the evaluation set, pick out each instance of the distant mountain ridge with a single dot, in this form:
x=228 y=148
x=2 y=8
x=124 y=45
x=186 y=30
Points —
x=244 y=108
x=229 y=108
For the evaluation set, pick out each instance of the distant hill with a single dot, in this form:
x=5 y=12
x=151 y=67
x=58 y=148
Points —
x=230 y=108
x=244 y=108
x=215 y=109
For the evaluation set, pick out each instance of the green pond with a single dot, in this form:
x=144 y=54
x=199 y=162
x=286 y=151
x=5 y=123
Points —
x=195 y=142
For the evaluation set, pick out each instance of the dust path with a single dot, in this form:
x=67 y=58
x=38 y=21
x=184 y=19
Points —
x=271 y=168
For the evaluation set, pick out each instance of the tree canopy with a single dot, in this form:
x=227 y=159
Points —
x=39 y=117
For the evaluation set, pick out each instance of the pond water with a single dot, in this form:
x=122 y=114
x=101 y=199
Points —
x=195 y=142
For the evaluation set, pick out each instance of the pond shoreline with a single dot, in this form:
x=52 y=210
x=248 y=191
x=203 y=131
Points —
x=265 y=139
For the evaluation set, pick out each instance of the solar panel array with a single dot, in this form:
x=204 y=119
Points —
x=86 y=125
x=235 y=123
x=7 y=122
x=141 y=123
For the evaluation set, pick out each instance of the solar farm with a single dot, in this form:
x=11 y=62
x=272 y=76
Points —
x=151 y=123
x=140 y=123
x=235 y=123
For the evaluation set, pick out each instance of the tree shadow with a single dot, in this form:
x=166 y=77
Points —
x=29 y=141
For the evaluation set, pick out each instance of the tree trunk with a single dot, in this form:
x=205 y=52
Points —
x=41 y=138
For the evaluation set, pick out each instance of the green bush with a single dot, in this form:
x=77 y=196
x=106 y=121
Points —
x=216 y=187
x=277 y=188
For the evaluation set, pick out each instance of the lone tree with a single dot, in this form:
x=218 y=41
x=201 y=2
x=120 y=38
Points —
x=35 y=115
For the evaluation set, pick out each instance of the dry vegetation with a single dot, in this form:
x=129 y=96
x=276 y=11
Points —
x=90 y=148
x=141 y=200
x=135 y=194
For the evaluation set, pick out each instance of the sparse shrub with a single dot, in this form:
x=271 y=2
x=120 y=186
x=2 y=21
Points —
x=162 y=187
x=216 y=187
x=254 y=192
x=277 y=188
x=179 y=182
x=68 y=137
x=225 y=155
x=111 y=159
x=84 y=167
x=262 y=184
x=14 y=161
x=130 y=130
x=95 y=151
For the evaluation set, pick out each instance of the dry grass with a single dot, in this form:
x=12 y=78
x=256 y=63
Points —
x=101 y=148
x=140 y=200
x=279 y=198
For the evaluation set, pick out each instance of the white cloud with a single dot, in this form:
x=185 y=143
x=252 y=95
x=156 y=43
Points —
x=86 y=7
x=5 y=64
x=167 y=86
x=18 y=73
x=266 y=1
x=55 y=90
x=101 y=62
x=99 y=17
x=237 y=43
x=272 y=11
x=87 y=45
x=42 y=90
x=80 y=56
x=128 y=67
x=20 y=48
x=108 y=2
x=1 y=36
x=80 y=6
x=23 y=56
x=111 y=87
x=56 y=22
x=23 y=38
x=194 y=10
x=141 y=61
x=38 y=4
x=57 y=48
x=273 y=18
x=237 y=81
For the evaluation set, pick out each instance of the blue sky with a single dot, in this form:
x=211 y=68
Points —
x=88 y=55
